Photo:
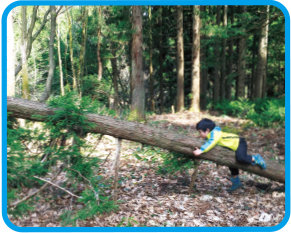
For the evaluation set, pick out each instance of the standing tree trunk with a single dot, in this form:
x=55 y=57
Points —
x=241 y=58
x=264 y=91
x=138 y=92
x=72 y=52
x=52 y=65
x=203 y=69
x=261 y=72
x=25 y=82
x=83 y=50
x=253 y=67
x=152 y=100
x=10 y=56
x=180 y=60
x=195 y=69
x=216 y=91
x=223 y=57
x=115 y=82
x=60 y=61
x=230 y=63
x=99 y=44
x=161 y=59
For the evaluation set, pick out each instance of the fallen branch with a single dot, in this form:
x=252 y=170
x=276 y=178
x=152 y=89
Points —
x=37 y=191
x=47 y=181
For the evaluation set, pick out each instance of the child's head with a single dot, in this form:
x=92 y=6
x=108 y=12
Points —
x=205 y=126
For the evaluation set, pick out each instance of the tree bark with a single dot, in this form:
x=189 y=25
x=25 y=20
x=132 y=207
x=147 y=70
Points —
x=262 y=61
x=60 y=61
x=10 y=56
x=241 y=59
x=161 y=86
x=152 y=100
x=52 y=64
x=223 y=58
x=138 y=93
x=216 y=91
x=115 y=82
x=203 y=69
x=22 y=108
x=24 y=59
x=180 y=60
x=230 y=64
x=100 y=69
x=195 y=70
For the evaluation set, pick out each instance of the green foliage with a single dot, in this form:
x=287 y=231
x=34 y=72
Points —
x=62 y=141
x=263 y=112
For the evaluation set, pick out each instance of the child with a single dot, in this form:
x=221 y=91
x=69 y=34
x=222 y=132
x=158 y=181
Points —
x=214 y=136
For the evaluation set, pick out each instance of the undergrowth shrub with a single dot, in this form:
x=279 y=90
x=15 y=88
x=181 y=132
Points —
x=61 y=144
x=265 y=112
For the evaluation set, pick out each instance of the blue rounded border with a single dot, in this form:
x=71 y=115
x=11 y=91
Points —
x=145 y=229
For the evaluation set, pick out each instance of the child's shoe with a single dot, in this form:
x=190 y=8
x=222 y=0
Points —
x=235 y=184
x=259 y=161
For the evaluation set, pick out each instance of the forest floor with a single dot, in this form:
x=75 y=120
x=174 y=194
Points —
x=148 y=198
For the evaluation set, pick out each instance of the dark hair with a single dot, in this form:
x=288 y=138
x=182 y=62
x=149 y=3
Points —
x=205 y=124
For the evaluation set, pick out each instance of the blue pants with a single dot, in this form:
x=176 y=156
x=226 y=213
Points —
x=241 y=156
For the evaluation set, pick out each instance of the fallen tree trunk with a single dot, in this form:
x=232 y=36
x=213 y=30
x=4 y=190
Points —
x=142 y=133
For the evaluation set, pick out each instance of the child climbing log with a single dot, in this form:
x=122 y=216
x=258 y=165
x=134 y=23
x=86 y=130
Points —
x=21 y=108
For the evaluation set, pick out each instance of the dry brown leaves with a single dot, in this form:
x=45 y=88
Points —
x=149 y=199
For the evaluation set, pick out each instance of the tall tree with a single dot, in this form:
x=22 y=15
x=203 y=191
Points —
x=69 y=19
x=83 y=49
x=52 y=65
x=195 y=88
x=138 y=92
x=203 y=66
x=261 y=71
x=100 y=68
x=180 y=60
x=60 y=61
x=24 y=59
x=230 y=60
x=30 y=38
x=152 y=100
x=241 y=57
x=161 y=81
x=216 y=91
x=10 y=56
x=223 y=56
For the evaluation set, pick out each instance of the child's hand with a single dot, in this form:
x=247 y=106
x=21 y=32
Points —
x=197 y=151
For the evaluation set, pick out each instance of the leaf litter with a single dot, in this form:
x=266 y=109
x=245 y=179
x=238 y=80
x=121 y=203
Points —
x=149 y=199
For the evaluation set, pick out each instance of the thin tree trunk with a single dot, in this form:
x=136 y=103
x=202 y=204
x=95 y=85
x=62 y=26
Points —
x=10 y=56
x=180 y=60
x=241 y=59
x=253 y=68
x=223 y=58
x=138 y=93
x=25 y=81
x=216 y=92
x=230 y=64
x=60 y=61
x=72 y=52
x=117 y=162
x=52 y=65
x=152 y=100
x=100 y=68
x=203 y=69
x=266 y=65
x=262 y=60
x=184 y=144
x=161 y=60
x=83 y=51
x=31 y=38
x=195 y=88
x=115 y=82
